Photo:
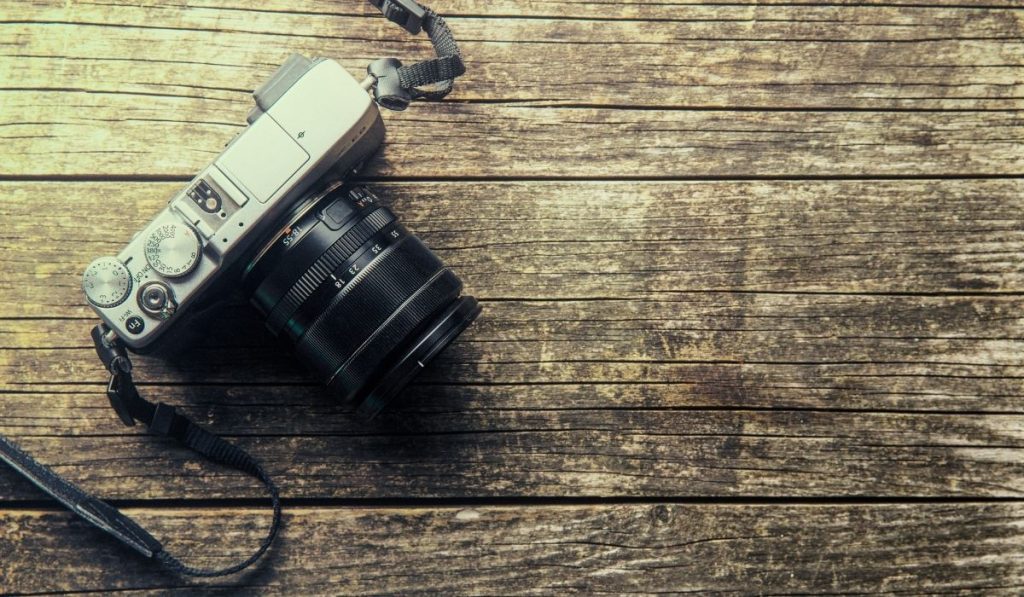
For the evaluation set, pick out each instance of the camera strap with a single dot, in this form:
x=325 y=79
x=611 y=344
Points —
x=395 y=85
x=161 y=419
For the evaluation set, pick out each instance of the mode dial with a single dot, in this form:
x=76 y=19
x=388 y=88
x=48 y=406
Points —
x=173 y=250
x=107 y=282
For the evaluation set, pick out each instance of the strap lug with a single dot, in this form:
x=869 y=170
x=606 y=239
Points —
x=388 y=90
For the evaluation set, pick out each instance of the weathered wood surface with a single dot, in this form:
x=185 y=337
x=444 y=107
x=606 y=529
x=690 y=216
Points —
x=590 y=549
x=704 y=56
x=135 y=137
x=781 y=264
x=499 y=452
x=607 y=240
x=122 y=94
x=676 y=352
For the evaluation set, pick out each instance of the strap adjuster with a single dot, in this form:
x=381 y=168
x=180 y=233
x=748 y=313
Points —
x=116 y=395
x=407 y=14
x=163 y=419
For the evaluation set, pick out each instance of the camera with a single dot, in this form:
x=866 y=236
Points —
x=363 y=302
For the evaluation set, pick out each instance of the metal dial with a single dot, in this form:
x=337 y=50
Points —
x=107 y=282
x=173 y=250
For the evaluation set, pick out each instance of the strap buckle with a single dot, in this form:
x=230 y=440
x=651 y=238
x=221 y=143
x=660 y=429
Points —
x=407 y=14
x=116 y=395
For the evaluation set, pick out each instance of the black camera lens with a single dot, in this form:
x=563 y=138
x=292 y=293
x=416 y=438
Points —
x=365 y=304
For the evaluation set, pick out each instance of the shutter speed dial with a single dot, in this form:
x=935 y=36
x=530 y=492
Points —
x=107 y=282
x=172 y=250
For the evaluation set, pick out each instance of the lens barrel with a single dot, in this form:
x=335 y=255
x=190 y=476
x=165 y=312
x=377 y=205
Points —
x=365 y=304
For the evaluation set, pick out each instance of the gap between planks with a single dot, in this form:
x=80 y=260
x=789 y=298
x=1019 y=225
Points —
x=310 y=504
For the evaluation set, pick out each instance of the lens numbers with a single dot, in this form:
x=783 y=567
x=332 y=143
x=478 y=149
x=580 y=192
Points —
x=363 y=258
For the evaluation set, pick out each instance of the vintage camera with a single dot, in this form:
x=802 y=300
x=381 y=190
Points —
x=363 y=302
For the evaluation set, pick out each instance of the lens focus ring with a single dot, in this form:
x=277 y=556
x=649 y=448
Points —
x=381 y=290
x=363 y=366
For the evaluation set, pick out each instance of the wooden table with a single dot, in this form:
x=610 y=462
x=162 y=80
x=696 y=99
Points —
x=752 y=277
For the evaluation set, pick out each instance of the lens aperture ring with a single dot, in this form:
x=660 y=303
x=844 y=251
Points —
x=322 y=268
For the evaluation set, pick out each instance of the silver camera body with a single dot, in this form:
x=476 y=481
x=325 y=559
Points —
x=312 y=120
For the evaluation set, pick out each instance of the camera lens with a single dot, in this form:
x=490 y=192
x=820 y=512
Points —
x=365 y=304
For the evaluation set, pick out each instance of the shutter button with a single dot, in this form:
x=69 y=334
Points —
x=155 y=299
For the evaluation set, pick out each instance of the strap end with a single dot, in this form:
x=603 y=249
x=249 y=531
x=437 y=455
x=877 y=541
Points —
x=407 y=14
x=126 y=530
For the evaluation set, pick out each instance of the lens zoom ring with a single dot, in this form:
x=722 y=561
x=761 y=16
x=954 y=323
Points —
x=354 y=374
x=327 y=263
x=366 y=303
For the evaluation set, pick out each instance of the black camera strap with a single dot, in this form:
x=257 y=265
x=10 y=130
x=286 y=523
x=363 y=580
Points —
x=161 y=419
x=394 y=85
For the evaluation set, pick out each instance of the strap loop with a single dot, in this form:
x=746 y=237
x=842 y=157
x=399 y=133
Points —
x=429 y=80
x=388 y=90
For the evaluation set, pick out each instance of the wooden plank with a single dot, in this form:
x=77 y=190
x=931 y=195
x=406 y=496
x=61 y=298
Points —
x=746 y=341
x=444 y=388
x=64 y=133
x=714 y=56
x=618 y=549
x=496 y=447
x=611 y=10
x=601 y=240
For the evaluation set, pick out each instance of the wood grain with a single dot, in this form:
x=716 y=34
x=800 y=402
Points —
x=705 y=57
x=752 y=281
x=586 y=240
x=114 y=135
x=861 y=345
x=512 y=9
x=973 y=334
x=624 y=549
x=607 y=453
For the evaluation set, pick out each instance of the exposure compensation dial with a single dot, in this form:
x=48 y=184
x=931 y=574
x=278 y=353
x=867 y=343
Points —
x=173 y=250
x=107 y=282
